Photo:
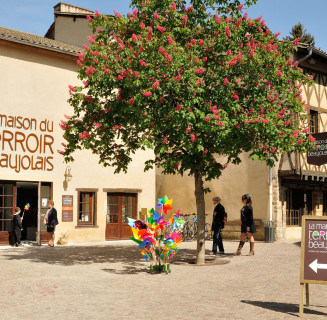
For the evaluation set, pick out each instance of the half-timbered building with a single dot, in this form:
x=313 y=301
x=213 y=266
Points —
x=300 y=180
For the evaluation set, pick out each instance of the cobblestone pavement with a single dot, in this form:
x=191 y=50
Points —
x=109 y=280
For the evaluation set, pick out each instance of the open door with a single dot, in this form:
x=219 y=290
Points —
x=27 y=193
x=45 y=194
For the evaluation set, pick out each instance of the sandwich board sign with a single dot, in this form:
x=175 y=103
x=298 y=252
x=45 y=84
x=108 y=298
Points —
x=313 y=254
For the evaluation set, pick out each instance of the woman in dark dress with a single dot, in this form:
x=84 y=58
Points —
x=247 y=226
x=52 y=221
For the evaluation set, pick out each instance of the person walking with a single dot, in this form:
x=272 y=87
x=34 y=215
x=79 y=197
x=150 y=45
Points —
x=217 y=225
x=247 y=226
x=18 y=227
x=52 y=221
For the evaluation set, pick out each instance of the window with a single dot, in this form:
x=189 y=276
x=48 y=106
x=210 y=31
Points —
x=298 y=203
x=313 y=121
x=127 y=208
x=86 y=209
x=6 y=206
x=120 y=205
x=112 y=208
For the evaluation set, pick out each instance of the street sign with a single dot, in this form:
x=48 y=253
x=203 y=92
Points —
x=313 y=254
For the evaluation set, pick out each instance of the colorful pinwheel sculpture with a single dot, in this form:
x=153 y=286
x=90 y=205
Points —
x=158 y=237
x=26 y=208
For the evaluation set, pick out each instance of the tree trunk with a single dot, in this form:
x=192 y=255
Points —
x=200 y=207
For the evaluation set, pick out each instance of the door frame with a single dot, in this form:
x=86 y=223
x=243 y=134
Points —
x=7 y=237
x=43 y=236
x=121 y=228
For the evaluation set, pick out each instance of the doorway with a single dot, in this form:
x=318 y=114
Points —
x=120 y=207
x=27 y=193
x=18 y=194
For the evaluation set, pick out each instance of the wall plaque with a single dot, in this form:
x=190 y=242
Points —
x=318 y=156
x=67 y=208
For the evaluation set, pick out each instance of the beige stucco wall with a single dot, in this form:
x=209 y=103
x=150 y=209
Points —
x=293 y=233
x=73 y=30
x=34 y=84
x=248 y=177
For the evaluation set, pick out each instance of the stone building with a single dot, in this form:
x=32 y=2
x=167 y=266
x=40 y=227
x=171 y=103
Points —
x=93 y=203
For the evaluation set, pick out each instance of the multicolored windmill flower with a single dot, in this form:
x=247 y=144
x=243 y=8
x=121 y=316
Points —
x=158 y=237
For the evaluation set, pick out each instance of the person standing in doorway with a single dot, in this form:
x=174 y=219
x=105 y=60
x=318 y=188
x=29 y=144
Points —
x=217 y=225
x=247 y=226
x=52 y=221
x=18 y=227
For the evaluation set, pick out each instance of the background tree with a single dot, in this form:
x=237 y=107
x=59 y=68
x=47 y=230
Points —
x=298 y=31
x=189 y=84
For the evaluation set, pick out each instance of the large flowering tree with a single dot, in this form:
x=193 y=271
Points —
x=189 y=84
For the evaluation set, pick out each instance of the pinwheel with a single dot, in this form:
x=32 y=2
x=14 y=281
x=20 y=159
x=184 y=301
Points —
x=26 y=208
x=147 y=242
x=165 y=204
x=178 y=223
x=158 y=238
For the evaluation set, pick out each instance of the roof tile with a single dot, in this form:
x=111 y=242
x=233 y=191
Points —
x=38 y=41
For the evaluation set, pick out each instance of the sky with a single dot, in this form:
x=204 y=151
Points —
x=36 y=16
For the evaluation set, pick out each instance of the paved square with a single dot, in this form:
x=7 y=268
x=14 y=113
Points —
x=109 y=280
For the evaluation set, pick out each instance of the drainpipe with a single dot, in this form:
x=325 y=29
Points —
x=269 y=225
x=307 y=56
x=270 y=194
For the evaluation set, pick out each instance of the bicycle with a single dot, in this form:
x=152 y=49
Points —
x=189 y=228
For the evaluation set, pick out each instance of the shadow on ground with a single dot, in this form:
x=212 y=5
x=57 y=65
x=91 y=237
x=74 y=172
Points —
x=289 y=308
x=298 y=243
x=128 y=256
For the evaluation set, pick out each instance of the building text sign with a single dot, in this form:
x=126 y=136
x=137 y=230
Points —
x=313 y=255
x=314 y=250
x=318 y=156
x=26 y=143
x=67 y=208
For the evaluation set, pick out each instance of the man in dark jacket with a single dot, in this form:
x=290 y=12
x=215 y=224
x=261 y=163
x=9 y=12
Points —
x=18 y=227
x=217 y=225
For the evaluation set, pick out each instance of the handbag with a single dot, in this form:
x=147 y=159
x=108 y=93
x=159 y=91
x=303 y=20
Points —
x=45 y=218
